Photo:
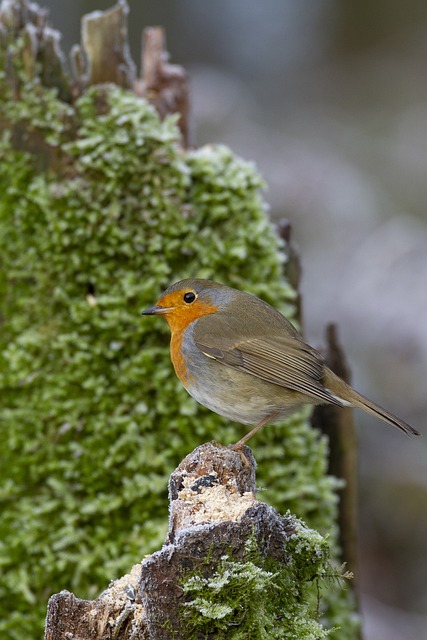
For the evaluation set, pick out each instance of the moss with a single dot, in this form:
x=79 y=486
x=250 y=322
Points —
x=261 y=598
x=92 y=418
x=23 y=98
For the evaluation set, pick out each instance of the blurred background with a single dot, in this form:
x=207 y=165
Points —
x=329 y=99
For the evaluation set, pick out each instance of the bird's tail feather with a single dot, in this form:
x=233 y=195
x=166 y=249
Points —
x=346 y=393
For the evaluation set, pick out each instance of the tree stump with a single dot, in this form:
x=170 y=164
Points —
x=213 y=515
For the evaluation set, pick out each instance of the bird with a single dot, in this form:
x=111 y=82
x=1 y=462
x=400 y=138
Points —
x=241 y=358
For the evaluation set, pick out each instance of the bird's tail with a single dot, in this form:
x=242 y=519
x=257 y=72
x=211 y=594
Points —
x=345 y=393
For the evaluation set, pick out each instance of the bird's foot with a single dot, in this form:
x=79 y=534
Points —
x=218 y=444
x=238 y=448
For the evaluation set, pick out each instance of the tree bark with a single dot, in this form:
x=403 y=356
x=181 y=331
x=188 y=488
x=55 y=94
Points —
x=337 y=423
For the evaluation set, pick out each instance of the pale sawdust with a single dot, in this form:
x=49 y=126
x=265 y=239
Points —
x=217 y=503
x=121 y=594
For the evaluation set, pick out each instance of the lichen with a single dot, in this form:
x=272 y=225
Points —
x=92 y=418
x=262 y=598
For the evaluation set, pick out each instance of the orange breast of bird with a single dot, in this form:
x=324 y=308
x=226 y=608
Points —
x=179 y=320
x=178 y=359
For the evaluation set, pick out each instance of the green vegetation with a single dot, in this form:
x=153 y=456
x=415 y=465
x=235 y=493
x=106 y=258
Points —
x=261 y=598
x=92 y=417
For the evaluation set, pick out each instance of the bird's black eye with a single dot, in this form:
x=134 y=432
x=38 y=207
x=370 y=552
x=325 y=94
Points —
x=189 y=297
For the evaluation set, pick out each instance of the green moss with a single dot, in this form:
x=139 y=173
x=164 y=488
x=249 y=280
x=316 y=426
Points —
x=25 y=101
x=261 y=598
x=92 y=418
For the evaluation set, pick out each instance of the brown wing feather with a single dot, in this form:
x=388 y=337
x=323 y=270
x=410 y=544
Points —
x=283 y=360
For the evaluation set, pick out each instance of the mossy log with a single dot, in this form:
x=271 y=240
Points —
x=101 y=207
x=229 y=565
x=103 y=57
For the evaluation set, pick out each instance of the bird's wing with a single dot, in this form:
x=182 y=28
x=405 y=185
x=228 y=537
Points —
x=284 y=360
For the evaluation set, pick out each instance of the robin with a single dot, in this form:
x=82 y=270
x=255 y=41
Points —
x=241 y=358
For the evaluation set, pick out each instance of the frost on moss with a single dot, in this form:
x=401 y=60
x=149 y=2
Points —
x=92 y=418
x=261 y=598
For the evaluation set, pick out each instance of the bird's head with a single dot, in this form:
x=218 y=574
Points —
x=188 y=300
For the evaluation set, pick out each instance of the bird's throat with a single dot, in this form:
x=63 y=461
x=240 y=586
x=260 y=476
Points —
x=182 y=316
x=178 y=359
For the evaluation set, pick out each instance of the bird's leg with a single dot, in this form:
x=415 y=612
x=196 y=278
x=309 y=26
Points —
x=238 y=446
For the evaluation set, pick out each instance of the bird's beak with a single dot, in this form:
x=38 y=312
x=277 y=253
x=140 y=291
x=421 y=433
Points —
x=156 y=311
